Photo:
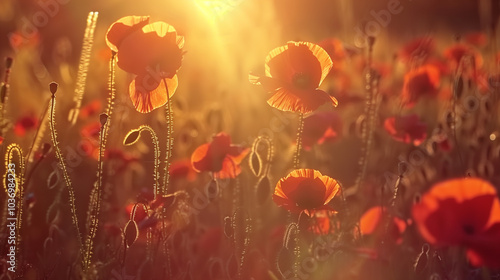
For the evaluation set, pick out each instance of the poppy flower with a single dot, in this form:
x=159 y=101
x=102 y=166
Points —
x=91 y=109
x=419 y=82
x=462 y=212
x=420 y=47
x=25 y=124
x=376 y=222
x=335 y=49
x=293 y=74
x=91 y=130
x=320 y=222
x=152 y=52
x=478 y=39
x=305 y=190
x=182 y=169
x=320 y=128
x=406 y=129
x=219 y=157
x=456 y=53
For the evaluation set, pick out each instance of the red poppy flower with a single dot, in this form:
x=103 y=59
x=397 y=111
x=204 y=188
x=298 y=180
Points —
x=25 y=124
x=420 y=47
x=320 y=128
x=219 y=157
x=305 y=190
x=463 y=212
x=182 y=169
x=458 y=52
x=375 y=221
x=293 y=75
x=407 y=129
x=91 y=130
x=420 y=82
x=153 y=52
x=335 y=49
x=320 y=222
x=478 y=39
x=91 y=109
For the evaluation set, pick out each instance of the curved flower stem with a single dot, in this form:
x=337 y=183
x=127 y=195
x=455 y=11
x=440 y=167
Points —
x=66 y=177
x=300 y=129
x=156 y=151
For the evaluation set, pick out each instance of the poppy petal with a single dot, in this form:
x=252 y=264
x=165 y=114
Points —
x=198 y=156
x=123 y=27
x=153 y=49
x=300 y=101
x=146 y=97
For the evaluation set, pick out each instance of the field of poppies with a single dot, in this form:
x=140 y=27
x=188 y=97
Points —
x=249 y=139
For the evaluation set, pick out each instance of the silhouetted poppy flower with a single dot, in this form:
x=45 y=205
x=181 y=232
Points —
x=305 y=190
x=219 y=157
x=25 y=124
x=420 y=82
x=376 y=222
x=91 y=109
x=321 y=127
x=293 y=74
x=462 y=212
x=420 y=47
x=407 y=129
x=153 y=52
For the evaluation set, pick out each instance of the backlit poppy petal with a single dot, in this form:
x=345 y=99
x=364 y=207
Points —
x=146 y=97
x=123 y=27
x=464 y=212
x=152 y=50
x=305 y=190
x=197 y=158
x=300 y=101
x=419 y=82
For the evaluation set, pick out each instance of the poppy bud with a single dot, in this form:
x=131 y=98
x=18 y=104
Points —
x=103 y=118
x=132 y=137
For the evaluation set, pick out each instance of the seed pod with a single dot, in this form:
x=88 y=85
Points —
x=131 y=232
x=132 y=137
x=53 y=88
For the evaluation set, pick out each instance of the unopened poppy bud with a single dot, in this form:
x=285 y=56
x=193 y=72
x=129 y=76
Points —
x=53 y=88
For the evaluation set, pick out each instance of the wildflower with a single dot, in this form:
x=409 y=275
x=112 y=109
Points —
x=320 y=128
x=420 y=82
x=376 y=222
x=152 y=52
x=420 y=47
x=25 y=124
x=335 y=49
x=459 y=52
x=182 y=169
x=407 y=129
x=91 y=109
x=462 y=212
x=305 y=190
x=293 y=74
x=219 y=157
